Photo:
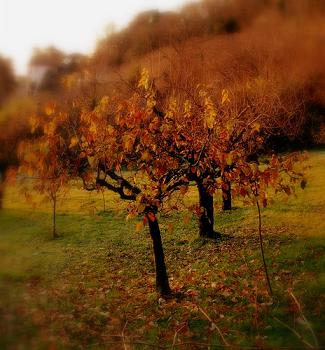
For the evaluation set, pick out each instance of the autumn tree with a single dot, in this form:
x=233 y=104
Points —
x=46 y=158
x=255 y=182
x=7 y=79
x=14 y=128
x=201 y=129
x=119 y=136
x=105 y=140
x=51 y=69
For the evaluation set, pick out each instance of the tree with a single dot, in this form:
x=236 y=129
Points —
x=51 y=69
x=204 y=129
x=46 y=158
x=184 y=131
x=13 y=129
x=253 y=180
x=119 y=136
x=264 y=111
x=199 y=130
x=7 y=79
x=95 y=145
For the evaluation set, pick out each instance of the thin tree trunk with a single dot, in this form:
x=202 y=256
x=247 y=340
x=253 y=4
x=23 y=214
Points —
x=162 y=283
x=262 y=248
x=226 y=195
x=206 y=216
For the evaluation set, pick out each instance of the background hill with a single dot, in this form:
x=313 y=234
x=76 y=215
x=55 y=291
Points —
x=226 y=43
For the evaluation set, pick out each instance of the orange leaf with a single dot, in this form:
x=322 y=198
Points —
x=139 y=226
x=151 y=216
x=49 y=109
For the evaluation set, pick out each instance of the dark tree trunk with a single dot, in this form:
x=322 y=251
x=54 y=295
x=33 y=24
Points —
x=162 y=283
x=226 y=195
x=206 y=216
x=1 y=194
x=2 y=186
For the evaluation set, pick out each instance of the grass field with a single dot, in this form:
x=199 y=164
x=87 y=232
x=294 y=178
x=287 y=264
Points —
x=93 y=288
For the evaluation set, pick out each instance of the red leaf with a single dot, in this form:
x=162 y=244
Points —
x=151 y=216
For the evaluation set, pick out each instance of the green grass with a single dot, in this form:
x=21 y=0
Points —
x=93 y=288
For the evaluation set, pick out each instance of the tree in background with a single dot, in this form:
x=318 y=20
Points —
x=7 y=79
x=50 y=68
x=14 y=127
x=45 y=158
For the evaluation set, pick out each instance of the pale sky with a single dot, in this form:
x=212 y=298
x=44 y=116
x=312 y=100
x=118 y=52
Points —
x=70 y=25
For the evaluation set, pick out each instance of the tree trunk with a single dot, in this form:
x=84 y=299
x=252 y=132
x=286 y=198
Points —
x=226 y=195
x=206 y=216
x=2 y=187
x=162 y=283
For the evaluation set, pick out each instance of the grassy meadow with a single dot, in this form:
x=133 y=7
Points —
x=94 y=286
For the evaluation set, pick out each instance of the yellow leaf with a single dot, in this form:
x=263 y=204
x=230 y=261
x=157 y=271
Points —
x=104 y=102
x=229 y=159
x=187 y=108
x=73 y=142
x=256 y=126
x=49 y=109
x=254 y=167
x=202 y=93
x=224 y=96
x=210 y=112
x=210 y=121
x=34 y=122
x=110 y=130
x=93 y=128
x=128 y=142
x=144 y=80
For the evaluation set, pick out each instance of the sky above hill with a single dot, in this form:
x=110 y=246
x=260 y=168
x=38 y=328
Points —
x=70 y=25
